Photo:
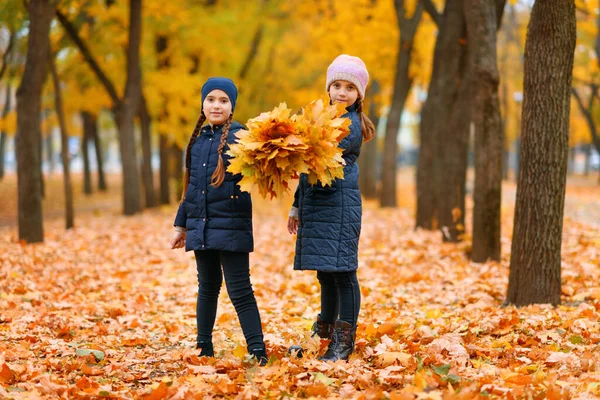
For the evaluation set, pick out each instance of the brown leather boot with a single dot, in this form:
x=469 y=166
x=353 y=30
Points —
x=342 y=342
x=320 y=328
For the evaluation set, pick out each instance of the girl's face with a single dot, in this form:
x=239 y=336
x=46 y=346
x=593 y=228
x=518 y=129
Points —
x=217 y=107
x=343 y=92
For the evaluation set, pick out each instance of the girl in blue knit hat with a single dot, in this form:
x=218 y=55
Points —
x=214 y=220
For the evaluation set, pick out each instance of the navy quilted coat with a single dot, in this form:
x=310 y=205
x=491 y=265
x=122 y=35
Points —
x=330 y=217
x=215 y=218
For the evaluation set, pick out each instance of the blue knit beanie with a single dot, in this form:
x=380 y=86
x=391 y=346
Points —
x=224 y=84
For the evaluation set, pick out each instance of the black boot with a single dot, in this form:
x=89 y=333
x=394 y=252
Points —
x=261 y=356
x=320 y=328
x=342 y=342
x=206 y=349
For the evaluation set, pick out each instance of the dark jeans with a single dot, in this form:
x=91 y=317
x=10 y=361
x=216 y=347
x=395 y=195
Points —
x=340 y=296
x=236 y=269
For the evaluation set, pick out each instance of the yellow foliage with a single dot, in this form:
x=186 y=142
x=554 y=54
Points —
x=279 y=147
x=8 y=124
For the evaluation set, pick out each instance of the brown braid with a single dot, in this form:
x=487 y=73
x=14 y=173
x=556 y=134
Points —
x=188 y=152
x=219 y=175
x=368 y=129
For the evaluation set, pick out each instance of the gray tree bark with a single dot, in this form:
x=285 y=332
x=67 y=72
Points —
x=535 y=264
x=489 y=138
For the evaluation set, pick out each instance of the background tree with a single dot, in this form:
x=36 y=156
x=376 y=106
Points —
x=408 y=23
x=124 y=108
x=448 y=68
x=535 y=265
x=28 y=143
x=68 y=189
x=482 y=23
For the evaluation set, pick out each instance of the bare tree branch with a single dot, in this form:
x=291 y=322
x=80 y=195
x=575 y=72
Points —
x=253 y=51
x=6 y=55
x=432 y=11
x=88 y=57
x=588 y=115
x=499 y=13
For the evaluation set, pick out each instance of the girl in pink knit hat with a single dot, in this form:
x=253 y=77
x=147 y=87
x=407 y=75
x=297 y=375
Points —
x=327 y=219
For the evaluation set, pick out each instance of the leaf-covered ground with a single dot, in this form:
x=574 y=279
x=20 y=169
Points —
x=107 y=311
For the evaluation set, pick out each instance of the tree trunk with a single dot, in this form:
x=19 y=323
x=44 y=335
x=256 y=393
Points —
x=126 y=111
x=402 y=85
x=489 y=140
x=64 y=140
x=6 y=67
x=368 y=155
x=50 y=152
x=165 y=196
x=571 y=161
x=588 y=153
x=442 y=95
x=163 y=62
x=3 y=139
x=505 y=105
x=3 y=135
x=453 y=156
x=41 y=142
x=28 y=122
x=99 y=154
x=535 y=265
x=88 y=127
x=147 y=174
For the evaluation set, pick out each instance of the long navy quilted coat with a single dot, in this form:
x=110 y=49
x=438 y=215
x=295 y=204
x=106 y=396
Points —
x=215 y=218
x=330 y=217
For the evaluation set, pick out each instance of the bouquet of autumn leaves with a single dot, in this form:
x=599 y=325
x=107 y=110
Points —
x=279 y=147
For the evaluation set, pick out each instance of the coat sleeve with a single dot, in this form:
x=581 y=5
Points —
x=352 y=143
x=296 y=194
x=181 y=216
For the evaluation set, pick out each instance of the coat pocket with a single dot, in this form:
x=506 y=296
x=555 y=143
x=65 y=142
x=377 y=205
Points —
x=321 y=193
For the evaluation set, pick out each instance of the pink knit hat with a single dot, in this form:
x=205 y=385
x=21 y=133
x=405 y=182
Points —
x=351 y=69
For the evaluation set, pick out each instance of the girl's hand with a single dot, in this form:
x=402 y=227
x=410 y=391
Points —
x=177 y=240
x=292 y=225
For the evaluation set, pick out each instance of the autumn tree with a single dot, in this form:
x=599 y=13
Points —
x=447 y=77
x=28 y=142
x=586 y=80
x=535 y=265
x=482 y=23
x=164 y=174
x=407 y=24
x=88 y=121
x=369 y=160
x=68 y=189
x=6 y=70
x=124 y=108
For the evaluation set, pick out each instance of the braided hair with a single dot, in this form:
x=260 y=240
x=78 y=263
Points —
x=219 y=175
x=367 y=127
x=188 y=152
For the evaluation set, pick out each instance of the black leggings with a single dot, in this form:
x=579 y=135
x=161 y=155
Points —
x=340 y=296
x=236 y=269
